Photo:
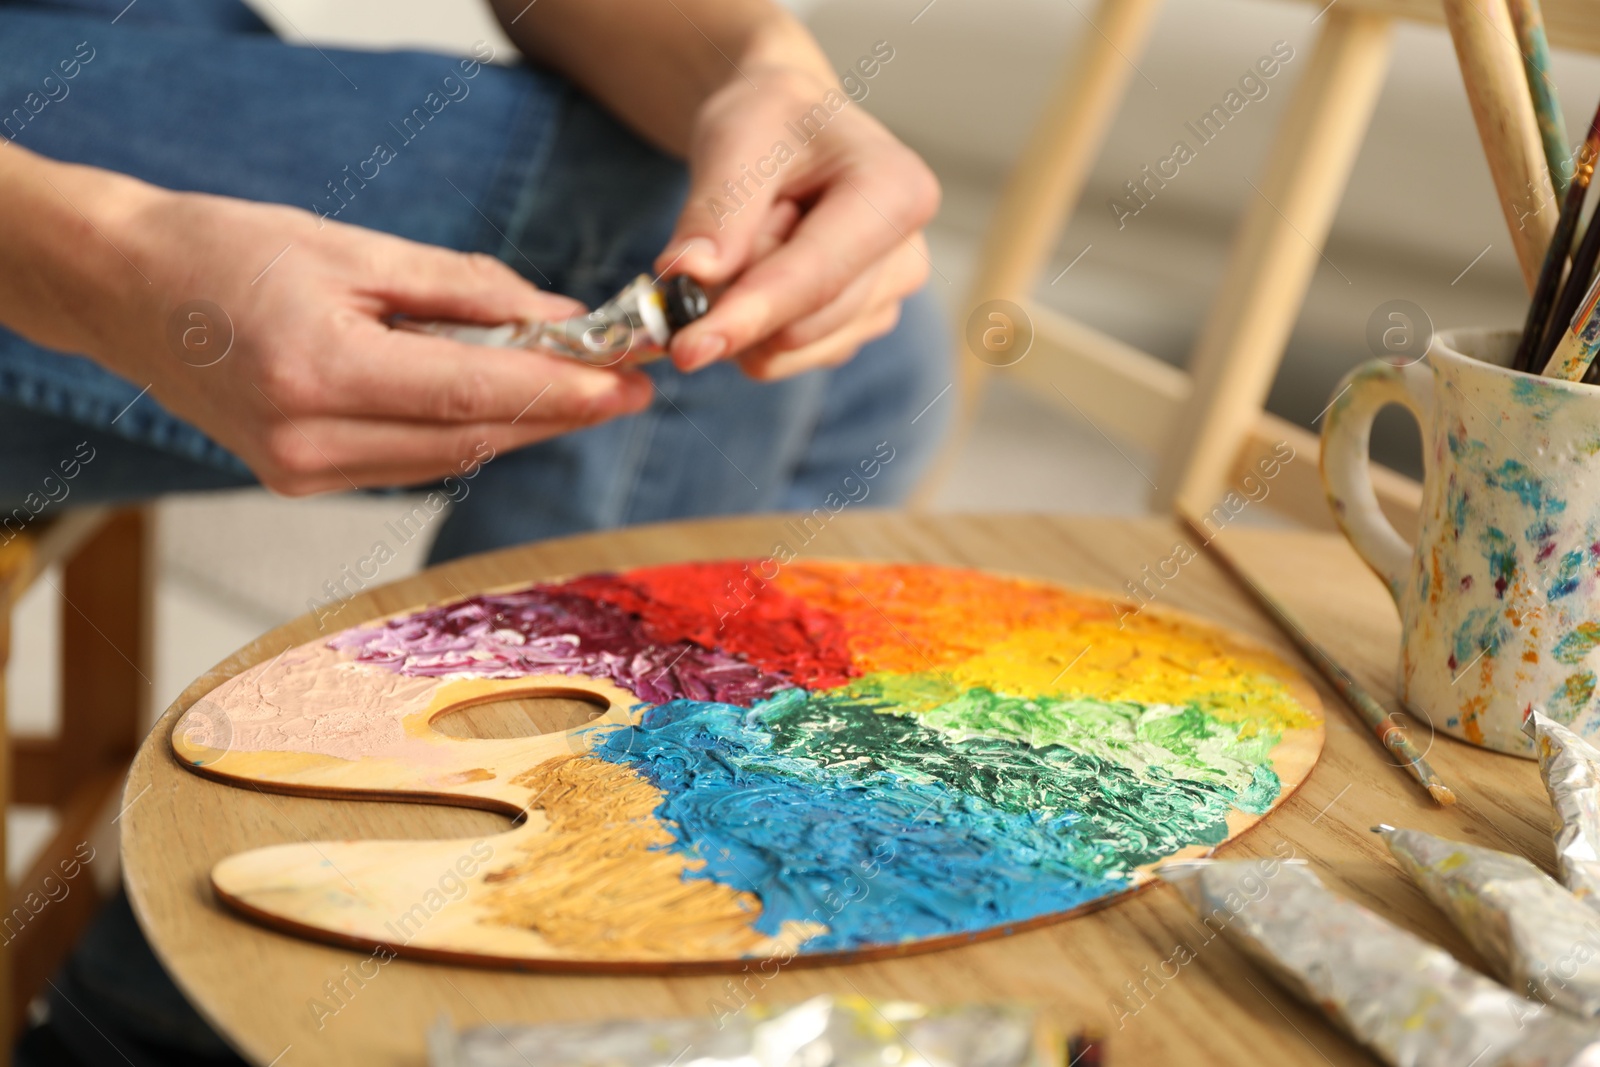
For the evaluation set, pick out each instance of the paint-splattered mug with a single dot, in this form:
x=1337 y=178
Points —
x=1500 y=597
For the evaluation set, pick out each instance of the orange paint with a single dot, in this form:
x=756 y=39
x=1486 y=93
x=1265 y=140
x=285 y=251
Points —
x=906 y=619
x=1470 y=725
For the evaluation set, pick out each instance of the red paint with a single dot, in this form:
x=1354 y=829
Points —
x=734 y=607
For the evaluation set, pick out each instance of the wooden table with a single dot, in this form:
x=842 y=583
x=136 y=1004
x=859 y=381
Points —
x=258 y=986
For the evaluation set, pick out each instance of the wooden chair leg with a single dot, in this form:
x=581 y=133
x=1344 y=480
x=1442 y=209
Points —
x=7 y=955
x=1278 y=248
x=1048 y=177
x=106 y=617
x=105 y=638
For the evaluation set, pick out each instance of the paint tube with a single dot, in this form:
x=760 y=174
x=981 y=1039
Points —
x=1407 y=1000
x=1539 y=938
x=633 y=326
x=1570 y=767
x=822 y=1032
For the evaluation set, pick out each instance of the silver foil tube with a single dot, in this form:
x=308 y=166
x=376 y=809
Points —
x=1407 y=1000
x=633 y=327
x=822 y=1032
x=1539 y=938
x=1570 y=767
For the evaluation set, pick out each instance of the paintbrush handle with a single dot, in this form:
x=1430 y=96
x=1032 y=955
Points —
x=1502 y=106
x=1373 y=714
x=1571 y=300
x=1579 y=342
x=1528 y=18
x=1547 y=292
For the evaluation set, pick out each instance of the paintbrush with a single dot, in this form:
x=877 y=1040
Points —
x=1571 y=298
x=1555 y=259
x=1576 y=350
x=1528 y=19
x=1502 y=107
x=1389 y=733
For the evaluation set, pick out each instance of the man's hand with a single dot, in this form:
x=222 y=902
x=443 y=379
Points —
x=828 y=241
x=315 y=393
x=811 y=283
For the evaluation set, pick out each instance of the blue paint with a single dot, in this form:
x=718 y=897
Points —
x=1567 y=576
x=1515 y=477
x=1543 y=530
x=1458 y=507
x=956 y=838
x=1502 y=556
x=1481 y=630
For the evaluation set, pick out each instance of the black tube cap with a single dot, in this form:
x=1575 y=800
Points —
x=685 y=301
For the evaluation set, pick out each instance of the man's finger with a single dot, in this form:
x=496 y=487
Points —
x=770 y=365
x=775 y=228
x=731 y=194
x=402 y=375
x=893 y=278
x=853 y=226
x=425 y=281
x=323 y=455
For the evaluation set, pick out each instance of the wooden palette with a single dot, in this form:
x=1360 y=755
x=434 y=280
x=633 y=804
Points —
x=795 y=761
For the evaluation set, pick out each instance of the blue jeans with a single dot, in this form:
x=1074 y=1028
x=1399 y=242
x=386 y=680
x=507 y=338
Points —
x=197 y=94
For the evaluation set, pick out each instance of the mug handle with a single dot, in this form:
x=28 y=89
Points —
x=1347 y=471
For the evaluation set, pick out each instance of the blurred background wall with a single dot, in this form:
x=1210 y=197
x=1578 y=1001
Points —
x=1419 y=222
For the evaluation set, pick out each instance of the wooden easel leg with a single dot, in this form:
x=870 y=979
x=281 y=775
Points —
x=1277 y=249
x=1047 y=180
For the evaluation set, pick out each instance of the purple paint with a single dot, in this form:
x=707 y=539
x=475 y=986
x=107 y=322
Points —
x=545 y=630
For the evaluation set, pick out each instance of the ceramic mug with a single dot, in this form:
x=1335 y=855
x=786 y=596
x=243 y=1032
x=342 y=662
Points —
x=1500 y=597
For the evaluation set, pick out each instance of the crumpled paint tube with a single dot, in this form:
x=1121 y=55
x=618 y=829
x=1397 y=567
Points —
x=822 y=1032
x=1407 y=1000
x=1570 y=767
x=1538 y=937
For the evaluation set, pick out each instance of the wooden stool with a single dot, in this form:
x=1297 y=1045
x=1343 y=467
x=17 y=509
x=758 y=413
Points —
x=105 y=685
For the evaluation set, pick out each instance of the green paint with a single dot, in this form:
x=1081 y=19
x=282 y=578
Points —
x=1138 y=776
x=1182 y=742
x=1577 y=643
x=1572 y=697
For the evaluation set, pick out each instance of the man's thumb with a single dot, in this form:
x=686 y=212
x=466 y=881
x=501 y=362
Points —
x=730 y=196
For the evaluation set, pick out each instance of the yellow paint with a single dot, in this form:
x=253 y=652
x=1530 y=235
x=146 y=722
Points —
x=1152 y=661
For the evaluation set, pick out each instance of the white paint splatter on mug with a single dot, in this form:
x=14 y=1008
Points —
x=1500 y=598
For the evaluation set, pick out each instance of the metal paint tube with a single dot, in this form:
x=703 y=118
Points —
x=1539 y=938
x=822 y=1032
x=1570 y=767
x=1408 y=1001
x=633 y=326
